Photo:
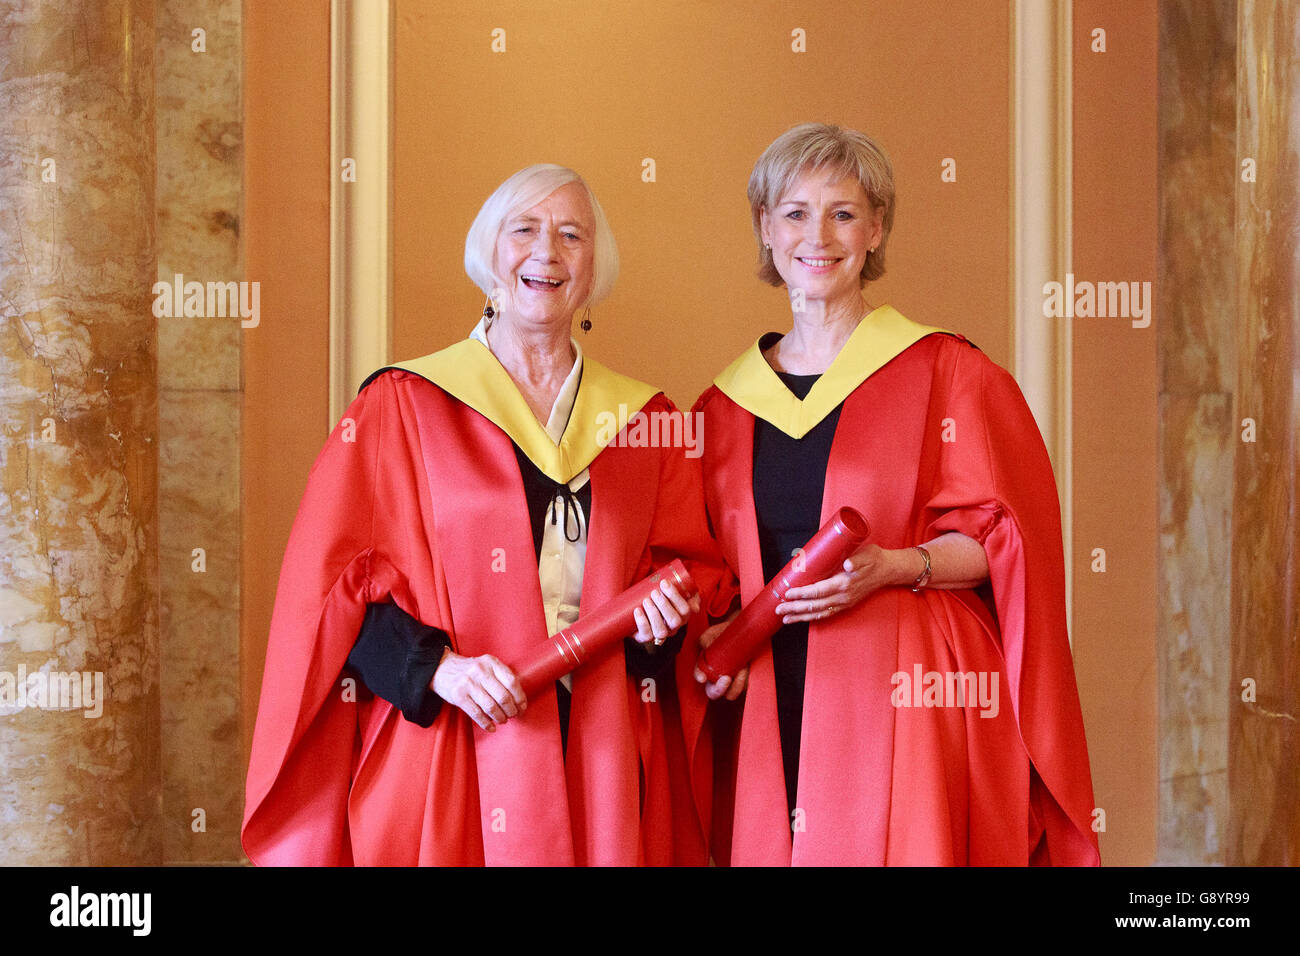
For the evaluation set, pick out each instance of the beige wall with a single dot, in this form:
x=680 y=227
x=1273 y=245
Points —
x=701 y=90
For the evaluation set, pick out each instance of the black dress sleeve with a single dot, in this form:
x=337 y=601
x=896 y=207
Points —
x=646 y=660
x=395 y=656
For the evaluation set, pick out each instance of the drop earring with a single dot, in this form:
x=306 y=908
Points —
x=585 y=324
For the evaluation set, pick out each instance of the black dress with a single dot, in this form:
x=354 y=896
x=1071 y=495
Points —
x=789 y=479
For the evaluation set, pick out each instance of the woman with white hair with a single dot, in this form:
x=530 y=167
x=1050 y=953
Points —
x=919 y=706
x=463 y=509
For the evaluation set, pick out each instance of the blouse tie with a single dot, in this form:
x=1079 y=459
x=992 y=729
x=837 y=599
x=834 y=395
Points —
x=570 y=500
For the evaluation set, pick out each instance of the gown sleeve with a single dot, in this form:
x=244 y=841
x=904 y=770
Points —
x=681 y=526
x=396 y=656
x=993 y=482
x=680 y=529
x=359 y=520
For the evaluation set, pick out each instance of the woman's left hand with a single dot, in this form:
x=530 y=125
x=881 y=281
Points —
x=866 y=570
x=662 y=613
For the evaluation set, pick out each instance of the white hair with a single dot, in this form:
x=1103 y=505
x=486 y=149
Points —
x=522 y=191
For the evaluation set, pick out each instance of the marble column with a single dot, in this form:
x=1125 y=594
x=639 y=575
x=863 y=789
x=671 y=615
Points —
x=81 y=777
x=1264 y=738
x=199 y=57
x=1197 y=353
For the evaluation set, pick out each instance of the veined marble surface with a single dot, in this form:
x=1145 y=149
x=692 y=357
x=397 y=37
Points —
x=1198 y=358
x=1264 y=743
x=200 y=185
x=78 y=426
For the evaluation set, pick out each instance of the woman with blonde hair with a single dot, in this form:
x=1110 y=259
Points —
x=919 y=706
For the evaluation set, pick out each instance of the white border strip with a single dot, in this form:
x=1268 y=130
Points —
x=361 y=88
x=1042 y=229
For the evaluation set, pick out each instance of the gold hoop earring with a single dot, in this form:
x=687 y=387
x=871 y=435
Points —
x=585 y=324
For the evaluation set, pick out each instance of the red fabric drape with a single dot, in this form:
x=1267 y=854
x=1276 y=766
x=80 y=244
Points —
x=417 y=499
x=939 y=439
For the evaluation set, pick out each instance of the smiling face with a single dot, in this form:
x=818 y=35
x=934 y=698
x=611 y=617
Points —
x=820 y=231
x=545 y=258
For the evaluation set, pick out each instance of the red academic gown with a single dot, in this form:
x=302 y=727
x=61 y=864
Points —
x=936 y=439
x=417 y=499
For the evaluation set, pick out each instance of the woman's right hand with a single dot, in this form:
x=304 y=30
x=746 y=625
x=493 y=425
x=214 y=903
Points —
x=723 y=686
x=481 y=686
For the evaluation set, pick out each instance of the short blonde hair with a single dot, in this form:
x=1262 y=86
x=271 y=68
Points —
x=820 y=147
x=522 y=191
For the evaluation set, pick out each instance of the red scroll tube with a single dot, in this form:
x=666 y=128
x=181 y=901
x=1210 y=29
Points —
x=823 y=556
x=607 y=625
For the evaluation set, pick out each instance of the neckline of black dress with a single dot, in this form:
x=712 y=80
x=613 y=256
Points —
x=798 y=385
x=765 y=342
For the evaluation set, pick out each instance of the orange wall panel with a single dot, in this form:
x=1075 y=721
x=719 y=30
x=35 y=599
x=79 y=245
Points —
x=1115 y=420
x=700 y=88
x=286 y=248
